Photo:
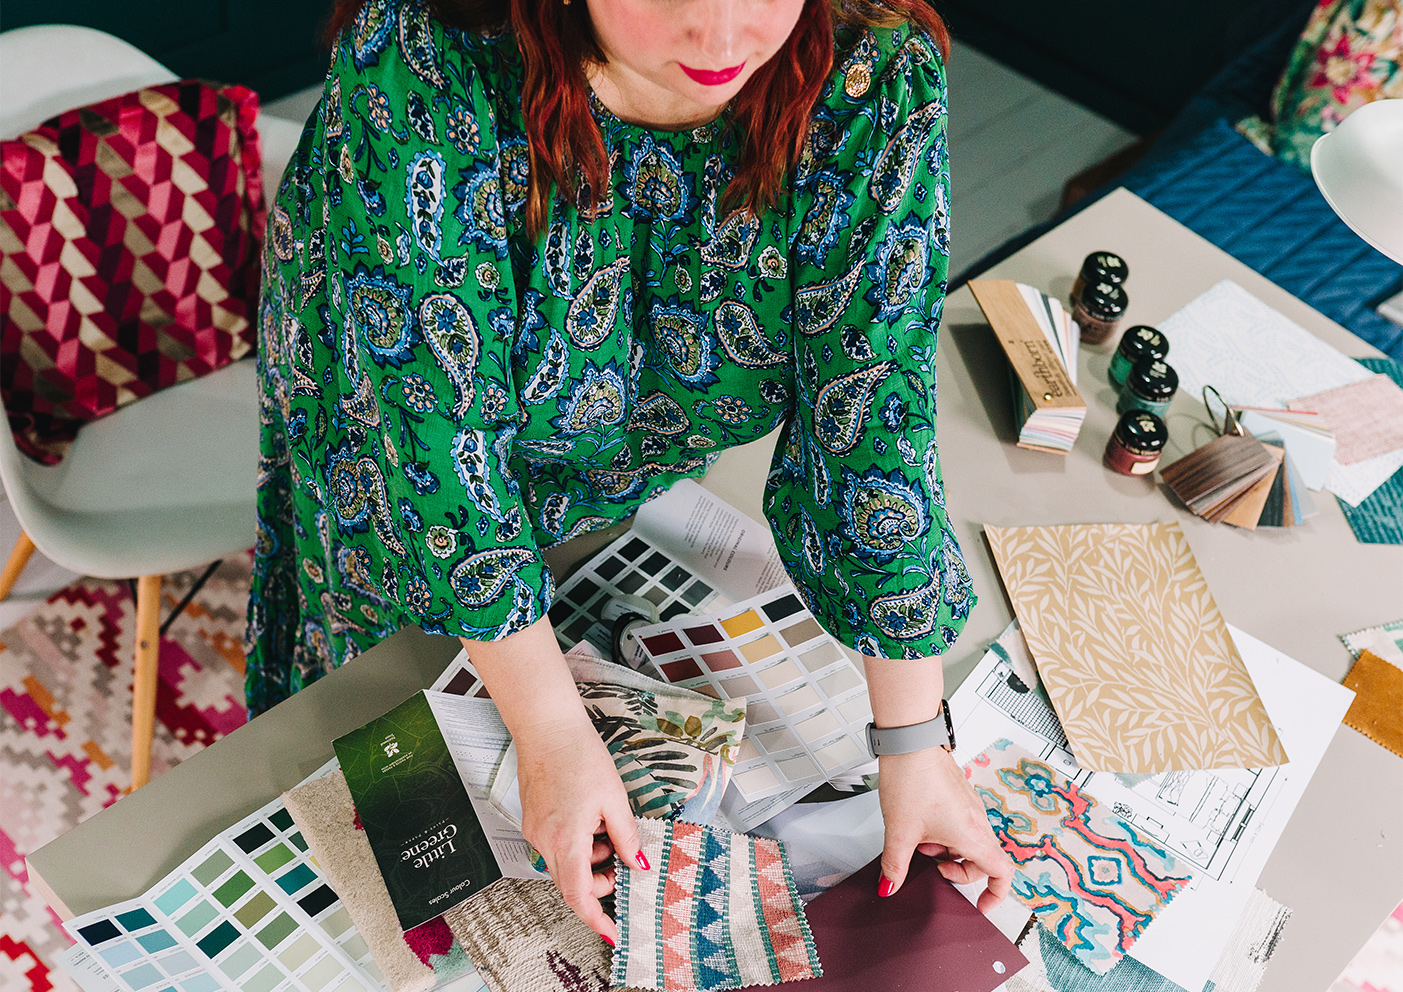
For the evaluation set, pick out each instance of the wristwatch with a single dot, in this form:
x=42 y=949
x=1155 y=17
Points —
x=939 y=732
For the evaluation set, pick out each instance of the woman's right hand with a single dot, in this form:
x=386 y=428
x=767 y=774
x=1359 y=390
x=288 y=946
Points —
x=576 y=813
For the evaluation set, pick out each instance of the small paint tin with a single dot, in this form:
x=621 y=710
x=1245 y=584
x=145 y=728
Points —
x=1099 y=266
x=1136 y=443
x=1099 y=311
x=1150 y=385
x=1141 y=341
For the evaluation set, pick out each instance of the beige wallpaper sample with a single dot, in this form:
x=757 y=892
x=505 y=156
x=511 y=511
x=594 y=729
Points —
x=1132 y=648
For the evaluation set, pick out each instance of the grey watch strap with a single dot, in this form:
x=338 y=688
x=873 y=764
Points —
x=939 y=732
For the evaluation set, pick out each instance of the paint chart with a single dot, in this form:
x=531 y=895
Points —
x=807 y=707
x=249 y=911
x=632 y=567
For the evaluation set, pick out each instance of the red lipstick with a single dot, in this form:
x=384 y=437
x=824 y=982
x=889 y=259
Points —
x=709 y=77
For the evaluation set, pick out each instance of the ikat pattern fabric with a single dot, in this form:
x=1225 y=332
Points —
x=674 y=753
x=1089 y=877
x=717 y=911
x=443 y=398
x=1132 y=648
x=129 y=254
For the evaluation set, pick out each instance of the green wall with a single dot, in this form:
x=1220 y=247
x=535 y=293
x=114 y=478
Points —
x=270 y=46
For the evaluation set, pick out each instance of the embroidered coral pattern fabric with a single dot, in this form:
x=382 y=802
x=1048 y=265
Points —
x=1088 y=876
x=718 y=911
x=1132 y=648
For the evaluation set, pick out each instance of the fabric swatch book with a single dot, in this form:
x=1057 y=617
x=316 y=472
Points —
x=416 y=812
x=925 y=937
x=1132 y=648
x=1040 y=340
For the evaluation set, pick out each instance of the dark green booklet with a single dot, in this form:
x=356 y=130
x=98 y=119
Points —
x=416 y=812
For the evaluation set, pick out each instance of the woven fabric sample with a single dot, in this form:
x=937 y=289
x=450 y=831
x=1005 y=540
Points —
x=1088 y=876
x=523 y=938
x=129 y=236
x=1384 y=639
x=1379 y=518
x=674 y=748
x=1377 y=710
x=1366 y=417
x=411 y=961
x=1053 y=968
x=718 y=911
x=1132 y=648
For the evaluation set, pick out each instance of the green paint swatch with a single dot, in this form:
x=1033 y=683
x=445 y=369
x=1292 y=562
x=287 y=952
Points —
x=230 y=891
x=274 y=858
x=216 y=865
x=276 y=932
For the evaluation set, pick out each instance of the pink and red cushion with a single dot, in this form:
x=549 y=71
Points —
x=129 y=254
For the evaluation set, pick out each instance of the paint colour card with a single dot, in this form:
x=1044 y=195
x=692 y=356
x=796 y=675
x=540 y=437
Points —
x=417 y=815
x=250 y=911
x=807 y=706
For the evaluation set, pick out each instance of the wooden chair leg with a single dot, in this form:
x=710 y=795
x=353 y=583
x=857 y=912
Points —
x=148 y=647
x=19 y=557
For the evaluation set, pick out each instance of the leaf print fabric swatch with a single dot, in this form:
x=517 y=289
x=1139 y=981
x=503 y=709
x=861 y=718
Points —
x=1132 y=648
x=1088 y=876
x=717 y=911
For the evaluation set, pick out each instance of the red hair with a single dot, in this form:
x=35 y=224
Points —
x=566 y=150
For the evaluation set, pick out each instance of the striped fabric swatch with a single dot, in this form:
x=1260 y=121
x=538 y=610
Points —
x=717 y=911
x=1089 y=877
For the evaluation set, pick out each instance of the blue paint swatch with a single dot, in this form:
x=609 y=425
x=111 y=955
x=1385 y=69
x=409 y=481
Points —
x=142 y=976
x=120 y=954
x=218 y=939
x=137 y=919
x=200 y=983
x=297 y=878
x=156 y=940
x=178 y=895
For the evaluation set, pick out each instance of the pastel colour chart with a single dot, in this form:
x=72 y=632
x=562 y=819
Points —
x=632 y=566
x=249 y=912
x=807 y=707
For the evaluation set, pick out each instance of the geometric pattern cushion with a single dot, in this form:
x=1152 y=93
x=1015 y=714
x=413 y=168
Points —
x=129 y=254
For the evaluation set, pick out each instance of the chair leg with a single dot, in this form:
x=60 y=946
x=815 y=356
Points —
x=19 y=557
x=148 y=648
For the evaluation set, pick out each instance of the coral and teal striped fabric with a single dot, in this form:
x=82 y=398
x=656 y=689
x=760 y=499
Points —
x=717 y=911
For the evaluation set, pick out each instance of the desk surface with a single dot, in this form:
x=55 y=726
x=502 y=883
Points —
x=1339 y=865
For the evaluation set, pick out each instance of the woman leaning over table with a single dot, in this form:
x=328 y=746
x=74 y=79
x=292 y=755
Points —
x=534 y=261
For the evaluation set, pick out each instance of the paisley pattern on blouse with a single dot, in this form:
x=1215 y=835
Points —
x=443 y=398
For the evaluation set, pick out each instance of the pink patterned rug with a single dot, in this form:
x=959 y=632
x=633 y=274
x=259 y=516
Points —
x=65 y=728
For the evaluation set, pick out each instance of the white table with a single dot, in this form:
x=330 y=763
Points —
x=1339 y=865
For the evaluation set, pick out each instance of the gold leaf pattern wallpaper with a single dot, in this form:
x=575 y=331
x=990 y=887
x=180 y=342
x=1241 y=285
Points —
x=1133 y=649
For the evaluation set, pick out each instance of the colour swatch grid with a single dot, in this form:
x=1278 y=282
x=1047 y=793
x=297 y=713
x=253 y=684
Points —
x=632 y=566
x=249 y=911
x=807 y=706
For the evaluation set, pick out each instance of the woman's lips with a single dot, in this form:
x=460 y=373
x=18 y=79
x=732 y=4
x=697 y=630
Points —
x=709 y=77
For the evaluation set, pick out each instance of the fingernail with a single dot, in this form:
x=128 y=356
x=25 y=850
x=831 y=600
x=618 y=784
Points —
x=607 y=940
x=643 y=862
x=884 y=887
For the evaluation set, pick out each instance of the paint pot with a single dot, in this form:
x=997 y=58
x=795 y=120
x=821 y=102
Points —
x=1141 y=341
x=1150 y=386
x=1136 y=443
x=1099 y=311
x=1098 y=267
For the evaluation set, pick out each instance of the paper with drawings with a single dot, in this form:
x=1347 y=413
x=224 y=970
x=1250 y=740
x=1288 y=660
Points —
x=1250 y=353
x=1226 y=822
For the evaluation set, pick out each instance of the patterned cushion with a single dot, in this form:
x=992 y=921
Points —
x=1350 y=53
x=129 y=254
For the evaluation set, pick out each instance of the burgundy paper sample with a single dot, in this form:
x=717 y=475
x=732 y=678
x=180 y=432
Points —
x=926 y=937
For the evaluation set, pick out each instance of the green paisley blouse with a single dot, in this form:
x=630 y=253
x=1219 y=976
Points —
x=442 y=397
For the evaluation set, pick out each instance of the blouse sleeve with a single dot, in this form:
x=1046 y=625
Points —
x=855 y=497
x=423 y=312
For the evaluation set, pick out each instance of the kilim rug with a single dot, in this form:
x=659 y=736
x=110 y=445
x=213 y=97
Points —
x=65 y=728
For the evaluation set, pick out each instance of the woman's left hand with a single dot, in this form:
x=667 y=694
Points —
x=929 y=806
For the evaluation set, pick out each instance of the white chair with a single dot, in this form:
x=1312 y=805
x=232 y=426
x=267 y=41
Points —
x=166 y=483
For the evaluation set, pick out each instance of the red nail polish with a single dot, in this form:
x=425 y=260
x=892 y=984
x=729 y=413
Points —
x=607 y=940
x=884 y=887
x=643 y=862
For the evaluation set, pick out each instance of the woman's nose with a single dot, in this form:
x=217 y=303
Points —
x=717 y=31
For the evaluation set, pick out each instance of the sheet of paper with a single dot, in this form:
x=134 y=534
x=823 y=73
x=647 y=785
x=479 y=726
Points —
x=1226 y=823
x=478 y=741
x=743 y=816
x=1366 y=417
x=1253 y=355
x=1132 y=648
